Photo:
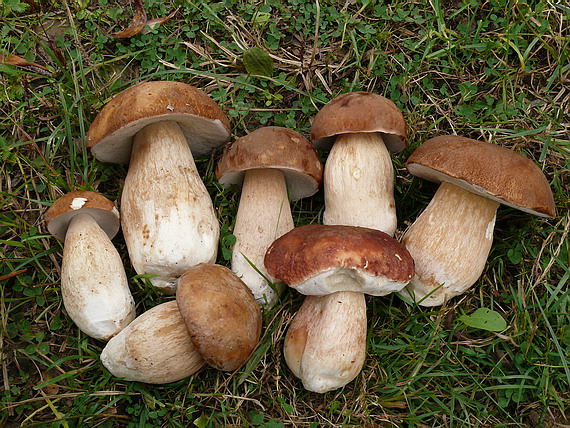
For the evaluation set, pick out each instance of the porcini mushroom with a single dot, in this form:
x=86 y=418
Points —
x=273 y=165
x=221 y=315
x=451 y=239
x=155 y=348
x=359 y=176
x=94 y=285
x=326 y=342
x=168 y=218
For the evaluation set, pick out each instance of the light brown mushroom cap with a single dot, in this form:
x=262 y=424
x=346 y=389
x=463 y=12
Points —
x=356 y=112
x=344 y=252
x=485 y=169
x=221 y=315
x=278 y=148
x=202 y=121
x=103 y=210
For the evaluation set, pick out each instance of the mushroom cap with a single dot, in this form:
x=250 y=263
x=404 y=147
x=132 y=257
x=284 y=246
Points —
x=323 y=259
x=273 y=147
x=103 y=210
x=202 y=121
x=221 y=315
x=486 y=169
x=356 y=112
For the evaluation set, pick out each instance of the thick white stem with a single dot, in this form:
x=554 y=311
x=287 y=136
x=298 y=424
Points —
x=359 y=183
x=155 y=348
x=325 y=345
x=168 y=218
x=263 y=216
x=94 y=285
x=449 y=242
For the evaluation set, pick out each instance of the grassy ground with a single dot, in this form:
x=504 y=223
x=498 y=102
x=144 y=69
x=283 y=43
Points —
x=497 y=70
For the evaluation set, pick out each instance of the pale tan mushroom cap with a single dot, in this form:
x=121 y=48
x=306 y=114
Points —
x=357 y=112
x=202 y=121
x=103 y=210
x=221 y=315
x=485 y=169
x=278 y=148
x=307 y=251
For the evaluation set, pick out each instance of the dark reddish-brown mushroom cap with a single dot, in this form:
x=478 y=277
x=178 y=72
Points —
x=221 y=315
x=486 y=169
x=278 y=148
x=357 y=112
x=306 y=251
x=202 y=121
x=103 y=210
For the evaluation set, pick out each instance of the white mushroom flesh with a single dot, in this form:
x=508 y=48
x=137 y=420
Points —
x=325 y=345
x=94 y=285
x=449 y=242
x=168 y=217
x=263 y=216
x=346 y=279
x=359 y=183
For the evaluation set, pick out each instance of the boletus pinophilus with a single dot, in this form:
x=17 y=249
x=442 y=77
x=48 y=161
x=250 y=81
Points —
x=168 y=218
x=273 y=165
x=451 y=239
x=94 y=285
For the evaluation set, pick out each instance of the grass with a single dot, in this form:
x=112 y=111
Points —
x=497 y=70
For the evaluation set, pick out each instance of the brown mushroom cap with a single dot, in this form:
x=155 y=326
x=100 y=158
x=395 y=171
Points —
x=203 y=123
x=103 y=210
x=356 y=112
x=273 y=147
x=307 y=251
x=485 y=169
x=221 y=315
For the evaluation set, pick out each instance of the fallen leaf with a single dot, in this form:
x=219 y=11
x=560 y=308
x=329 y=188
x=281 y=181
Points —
x=151 y=23
x=137 y=24
x=140 y=24
x=16 y=60
x=485 y=319
x=258 y=62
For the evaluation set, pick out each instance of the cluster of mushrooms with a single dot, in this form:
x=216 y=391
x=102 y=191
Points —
x=171 y=232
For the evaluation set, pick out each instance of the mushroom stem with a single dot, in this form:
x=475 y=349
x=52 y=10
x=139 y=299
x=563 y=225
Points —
x=155 y=348
x=168 y=218
x=263 y=216
x=325 y=345
x=359 y=183
x=94 y=285
x=449 y=242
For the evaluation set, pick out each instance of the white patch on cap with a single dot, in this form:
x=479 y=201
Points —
x=77 y=203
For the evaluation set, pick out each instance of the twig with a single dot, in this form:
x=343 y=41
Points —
x=12 y=274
